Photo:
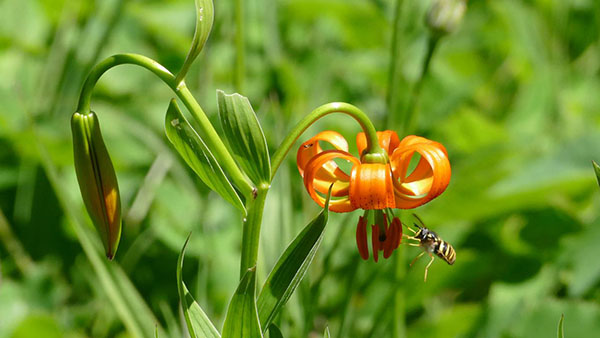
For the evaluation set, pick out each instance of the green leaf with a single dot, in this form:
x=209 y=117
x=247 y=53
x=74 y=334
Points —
x=198 y=323
x=561 y=329
x=197 y=155
x=242 y=316
x=597 y=171
x=205 y=15
x=326 y=334
x=291 y=267
x=274 y=331
x=244 y=136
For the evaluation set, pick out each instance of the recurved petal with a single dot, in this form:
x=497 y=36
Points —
x=430 y=177
x=311 y=148
x=388 y=140
x=314 y=185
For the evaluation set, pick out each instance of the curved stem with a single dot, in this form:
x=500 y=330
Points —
x=208 y=132
x=373 y=147
x=85 y=98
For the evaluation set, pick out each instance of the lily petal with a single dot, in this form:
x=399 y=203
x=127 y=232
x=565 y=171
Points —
x=312 y=183
x=388 y=140
x=311 y=148
x=429 y=179
x=329 y=172
x=371 y=186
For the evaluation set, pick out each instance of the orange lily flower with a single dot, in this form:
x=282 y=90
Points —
x=374 y=186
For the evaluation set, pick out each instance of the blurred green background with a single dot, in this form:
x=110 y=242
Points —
x=513 y=94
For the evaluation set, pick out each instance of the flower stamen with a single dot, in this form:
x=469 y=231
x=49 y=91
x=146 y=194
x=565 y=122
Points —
x=361 y=238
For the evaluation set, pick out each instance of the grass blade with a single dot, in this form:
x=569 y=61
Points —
x=561 y=329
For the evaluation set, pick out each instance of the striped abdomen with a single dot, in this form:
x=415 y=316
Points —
x=446 y=252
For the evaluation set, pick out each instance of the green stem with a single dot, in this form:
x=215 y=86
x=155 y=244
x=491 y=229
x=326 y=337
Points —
x=399 y=318
x=240 y=65
x=251 y=228
x=373 y=147
x=394 y=77
x=85 y=97
x=412 y=111
x=210 y=135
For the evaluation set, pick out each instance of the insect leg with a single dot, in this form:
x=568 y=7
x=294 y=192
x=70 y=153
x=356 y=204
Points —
x=411 y=229
x=427 y=267
x=416 y=258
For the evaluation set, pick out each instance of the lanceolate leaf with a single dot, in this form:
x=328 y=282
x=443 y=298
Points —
x=326 y=334
x=197 y=155
x=291 y=268
x=242 y=317
x=244 y=136
x=198 y=323
x=205 y=15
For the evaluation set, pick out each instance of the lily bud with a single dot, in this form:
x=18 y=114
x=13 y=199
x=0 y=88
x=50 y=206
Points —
x=97 y=179
x=444 y=16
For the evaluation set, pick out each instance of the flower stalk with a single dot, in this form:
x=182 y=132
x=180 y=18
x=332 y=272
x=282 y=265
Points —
x=208 y=132
x=373 y=150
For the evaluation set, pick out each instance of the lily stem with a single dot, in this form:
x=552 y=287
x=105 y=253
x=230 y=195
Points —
x=399 y=318
x=207 y=131
x=326 y=109
x=251 y=228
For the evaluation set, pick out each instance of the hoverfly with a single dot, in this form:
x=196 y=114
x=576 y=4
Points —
x=431 y=244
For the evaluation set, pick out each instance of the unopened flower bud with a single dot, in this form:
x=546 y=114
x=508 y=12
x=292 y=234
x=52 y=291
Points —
x=444 y=16
x=97 y=179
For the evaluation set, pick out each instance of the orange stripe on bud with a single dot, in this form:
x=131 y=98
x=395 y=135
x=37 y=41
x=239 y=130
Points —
x=97 y=179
